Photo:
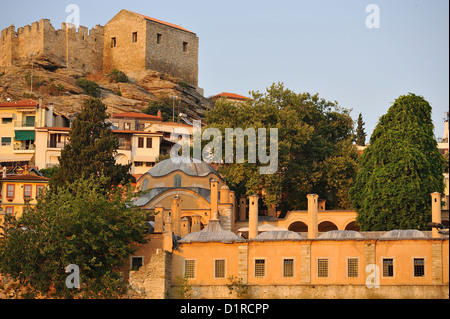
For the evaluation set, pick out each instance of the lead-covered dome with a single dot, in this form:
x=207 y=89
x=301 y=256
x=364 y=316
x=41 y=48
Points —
x=186 y=165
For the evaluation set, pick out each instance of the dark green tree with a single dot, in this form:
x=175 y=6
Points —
x=91 y=150
x=83 y=224
x=90 y=87
x=360 y=132
x=399 y=169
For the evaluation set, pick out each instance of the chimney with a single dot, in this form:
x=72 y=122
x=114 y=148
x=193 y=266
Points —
x=176 y=215
x=159 y=113
x=185 y=227
x=4 y=172
x=214 y=199
x=436 y=213
x=313 y=201
x=50 y=115
x=253 y=217
x=167 y=234
x=196 y=223
x=159 y=219
x=243 y=208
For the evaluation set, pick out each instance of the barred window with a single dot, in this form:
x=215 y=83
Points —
x=419 y=267
x=288 y=268
x=219 y=268
x=388 y=267
x=352 y=268
x=260 y=268
x=322 y=268
x=189 y=268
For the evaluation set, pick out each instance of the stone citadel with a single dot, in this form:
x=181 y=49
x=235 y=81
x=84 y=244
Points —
x=128 y=42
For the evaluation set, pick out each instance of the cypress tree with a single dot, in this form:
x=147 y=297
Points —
x=91 y=149
x=360 y=133
x=399 y=169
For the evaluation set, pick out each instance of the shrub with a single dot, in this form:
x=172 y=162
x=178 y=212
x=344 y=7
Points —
x=118 y=76
x=90 y=87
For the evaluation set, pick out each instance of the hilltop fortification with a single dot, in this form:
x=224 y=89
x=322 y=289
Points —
x=129 y=42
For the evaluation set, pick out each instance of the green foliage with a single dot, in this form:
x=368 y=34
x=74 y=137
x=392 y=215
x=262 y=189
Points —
x=49 y=172
x=314 y=140
x=446 y=162
x=90 y=87
x=165 y=106
x=91 y=150
x=118 y=76
x=237 y=285
x=83 y=224
x=360 y=133
x=182 y=288
x=399 y=169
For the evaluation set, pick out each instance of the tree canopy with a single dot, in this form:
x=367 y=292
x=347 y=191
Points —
x=399 y=169
x=316 y=154
x=84 y=224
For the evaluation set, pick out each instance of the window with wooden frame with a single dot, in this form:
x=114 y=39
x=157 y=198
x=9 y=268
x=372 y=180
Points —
x=27 y=191
x=9 y=210
x=40 y=191
x=140 y=142
x=149 y=142
x=10 y=191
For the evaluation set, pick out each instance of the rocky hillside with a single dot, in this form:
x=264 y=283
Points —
x=57 y=85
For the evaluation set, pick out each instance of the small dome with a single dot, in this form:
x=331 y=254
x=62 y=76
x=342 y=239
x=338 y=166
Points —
x=187 y=165
x=341 y=234
x=213 y=232
x=278 y=235
x=408 y=233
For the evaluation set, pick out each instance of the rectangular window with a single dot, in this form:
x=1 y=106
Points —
x=189 y=268
x=39 y=191
x=6 y=141
x=10 y=188
x=185 y=46
x=134 y=37
x=388 y=267
x=260 y=268
x=419 y=267
x=126 y=126
x=288 y=268
x=113 y=42
x=27 y=191
x=149 y=142
x=140 y=142
x=7 y=120
x=158 y=38
x=352 y=268
x=9 y=210
x=136 y=263
x=138 y=164
x=219 y=268
x=322 y=268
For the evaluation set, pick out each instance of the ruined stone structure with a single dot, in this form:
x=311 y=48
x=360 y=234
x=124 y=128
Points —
x=129 y=42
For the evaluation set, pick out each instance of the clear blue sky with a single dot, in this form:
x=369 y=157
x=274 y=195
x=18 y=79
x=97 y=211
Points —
x=311 y=46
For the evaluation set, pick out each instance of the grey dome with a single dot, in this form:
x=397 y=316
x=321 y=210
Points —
x=409 y=233
x=187 y=165
x=213 y=232
x=341 y=234
x=278 y=235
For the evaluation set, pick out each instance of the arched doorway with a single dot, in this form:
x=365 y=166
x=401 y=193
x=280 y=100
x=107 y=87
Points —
x=298 y=227
x=352 y=226
x=327 y=226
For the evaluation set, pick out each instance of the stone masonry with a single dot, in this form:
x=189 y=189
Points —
x=129 y=42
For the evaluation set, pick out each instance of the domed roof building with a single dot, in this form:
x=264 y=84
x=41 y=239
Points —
x=198 y=187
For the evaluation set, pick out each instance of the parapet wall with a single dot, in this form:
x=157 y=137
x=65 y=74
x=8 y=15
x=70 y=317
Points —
x=68 y=47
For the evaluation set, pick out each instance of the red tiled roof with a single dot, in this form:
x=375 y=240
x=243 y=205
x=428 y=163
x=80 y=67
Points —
x=23 y=103
x=231 y=96
x=135 y=115
x=25 y=177
x=162 y=22
x=135 y=132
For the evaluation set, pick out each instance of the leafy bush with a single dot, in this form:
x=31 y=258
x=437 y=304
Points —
x=90 y=87
x=118 y=76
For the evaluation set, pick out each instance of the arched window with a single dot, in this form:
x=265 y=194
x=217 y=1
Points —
x=177 y=181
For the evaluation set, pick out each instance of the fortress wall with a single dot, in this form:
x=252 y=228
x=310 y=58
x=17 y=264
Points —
x=169 y=56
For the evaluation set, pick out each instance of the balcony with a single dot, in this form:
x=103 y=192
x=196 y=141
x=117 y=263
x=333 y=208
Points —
x=24 y=148
x=55 y=144
x=24 y=124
